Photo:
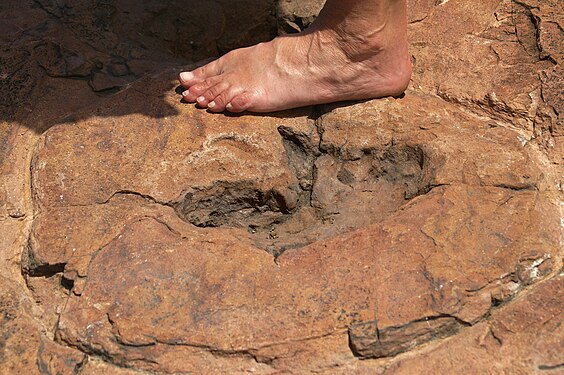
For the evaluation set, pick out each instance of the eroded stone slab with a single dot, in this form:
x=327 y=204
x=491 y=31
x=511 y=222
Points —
x=245 y=238
x=522 y=337
x=167 y=239
x=491 y=59
x=235 y=300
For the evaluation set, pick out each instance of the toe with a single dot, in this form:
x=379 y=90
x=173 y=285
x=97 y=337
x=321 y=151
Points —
x=194 y=92
x=190 y=78
x=219 y=103
x=215 y=91
x=210 y=95
x=239 y=103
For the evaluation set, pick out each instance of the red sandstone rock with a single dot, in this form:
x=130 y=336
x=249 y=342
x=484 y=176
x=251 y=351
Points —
x=524 y=336
x=410 y=233
x=390 y=190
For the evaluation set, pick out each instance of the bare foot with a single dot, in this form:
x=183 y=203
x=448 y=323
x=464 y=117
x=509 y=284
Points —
x=357 y=56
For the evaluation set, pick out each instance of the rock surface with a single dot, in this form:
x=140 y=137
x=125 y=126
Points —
x=401 y=235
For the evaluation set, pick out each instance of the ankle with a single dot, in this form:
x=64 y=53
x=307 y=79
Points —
x=383 y=50
x=367 y=35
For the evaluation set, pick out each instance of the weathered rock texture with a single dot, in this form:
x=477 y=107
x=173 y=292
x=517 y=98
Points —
x=295 y=16
x=419 y=234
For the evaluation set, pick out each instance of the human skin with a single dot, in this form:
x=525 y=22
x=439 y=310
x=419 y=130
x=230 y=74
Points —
x=355 y=49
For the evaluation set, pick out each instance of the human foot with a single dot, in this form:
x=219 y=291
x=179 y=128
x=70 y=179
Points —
x=361 y=55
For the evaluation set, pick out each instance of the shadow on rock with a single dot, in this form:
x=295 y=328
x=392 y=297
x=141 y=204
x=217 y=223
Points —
x=59 y=58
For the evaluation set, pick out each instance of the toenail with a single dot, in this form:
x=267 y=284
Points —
x=200 y=99
x=229 y=107
x=211 y=105
x=186 y=76
x=186 y=93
